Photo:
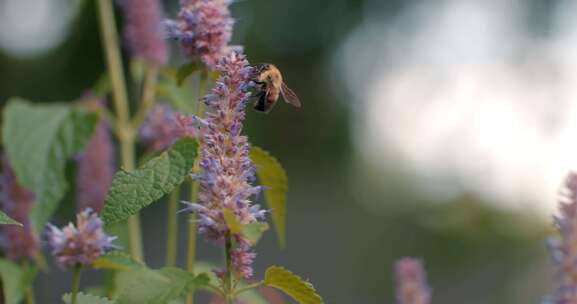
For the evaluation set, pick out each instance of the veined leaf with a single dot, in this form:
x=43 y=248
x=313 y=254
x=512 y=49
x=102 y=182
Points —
x=254 y=231
x=117 y=260
x=38 y=140
x=251 y=296
x=302 y=291
x=102 y=86
x=180 y=97
x=6 y=220
x=132 y=191
x=15 y=280
x=272 y=175
x=82 y=298
x=147 y=286
x=186 y=70
x=233 y=225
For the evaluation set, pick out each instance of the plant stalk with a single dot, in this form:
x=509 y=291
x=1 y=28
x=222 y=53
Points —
x=172 y=228
x=148 y=95
x=124 y=130
x=191 y=243
x=29 y=296
x=76 y=282
x=228 y=289
x=249 y=287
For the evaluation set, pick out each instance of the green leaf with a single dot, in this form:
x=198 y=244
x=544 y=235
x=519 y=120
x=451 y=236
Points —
x=254 y=231
x=15 y=280
x=102 y=86
x=181 y=98
x=147 y=286
x=186 y=70
x=251 y=296
x=302 y=291
x=132 y=191
x=137 y=70
x=39 y=139
x=272 y=175
x=117 y=260
x=6 y=220
x=233 y=225
x=82 y=298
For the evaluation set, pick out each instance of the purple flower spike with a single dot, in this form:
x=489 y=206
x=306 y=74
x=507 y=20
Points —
x=95 y=168
x=564 y=249
x=226 y=170
x=16 y=201
x=143 y=30
x=411 y=282
x=163 y=126
x=80 y=244
x=203 y=28
x=242 y=258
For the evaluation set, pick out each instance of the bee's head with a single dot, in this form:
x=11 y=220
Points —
x=262 y=67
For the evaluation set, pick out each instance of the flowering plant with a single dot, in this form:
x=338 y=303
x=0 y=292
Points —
x=134 y=140
x=204 y=151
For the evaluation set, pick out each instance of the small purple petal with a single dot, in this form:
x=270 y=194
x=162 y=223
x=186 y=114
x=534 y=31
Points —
x=80 y=244
x=411 y=282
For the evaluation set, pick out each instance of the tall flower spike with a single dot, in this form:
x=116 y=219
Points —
x=564 y=249
x=226 y=170
x=411 y=282
x=163 y=126
x=16 y=201
x=81 y=244
x=203 y=28
x=95 y=166
x=143 y=30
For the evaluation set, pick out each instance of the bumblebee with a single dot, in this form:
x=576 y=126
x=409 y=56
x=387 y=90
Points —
x=269 y=86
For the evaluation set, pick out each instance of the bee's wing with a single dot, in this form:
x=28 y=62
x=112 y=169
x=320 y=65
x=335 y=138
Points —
x=290 y=96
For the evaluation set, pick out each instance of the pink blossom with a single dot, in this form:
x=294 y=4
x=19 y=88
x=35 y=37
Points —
x=564 y=249
x=411 y=282
x=226 y=170
x=163 y=126
x=203 y=28
x=143 y=30
x=95 y=168
x=16 y=201
x=81 y=244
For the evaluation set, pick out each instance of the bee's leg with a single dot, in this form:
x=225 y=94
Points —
x=259 y=84
x=260 y=104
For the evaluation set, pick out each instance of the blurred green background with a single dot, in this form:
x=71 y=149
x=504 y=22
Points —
x=353 y=210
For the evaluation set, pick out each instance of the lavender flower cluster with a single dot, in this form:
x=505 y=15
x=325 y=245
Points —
x=16 y=201
x=411 y=282
x=203 y=28
x=81 y=244
x=163 y=126
x=143 y=30
x=96 y=166
x=226 y=170
x=564 y=249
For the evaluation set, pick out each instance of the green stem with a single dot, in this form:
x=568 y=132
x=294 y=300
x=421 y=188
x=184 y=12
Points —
x=191 y=243
x=124 y=130
x=228 y=289
x=29 y=296
x=201 y=91
x=76 y=282
x=249 y=287
x=113 y=58
x=148 y=95
x=172 y=229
